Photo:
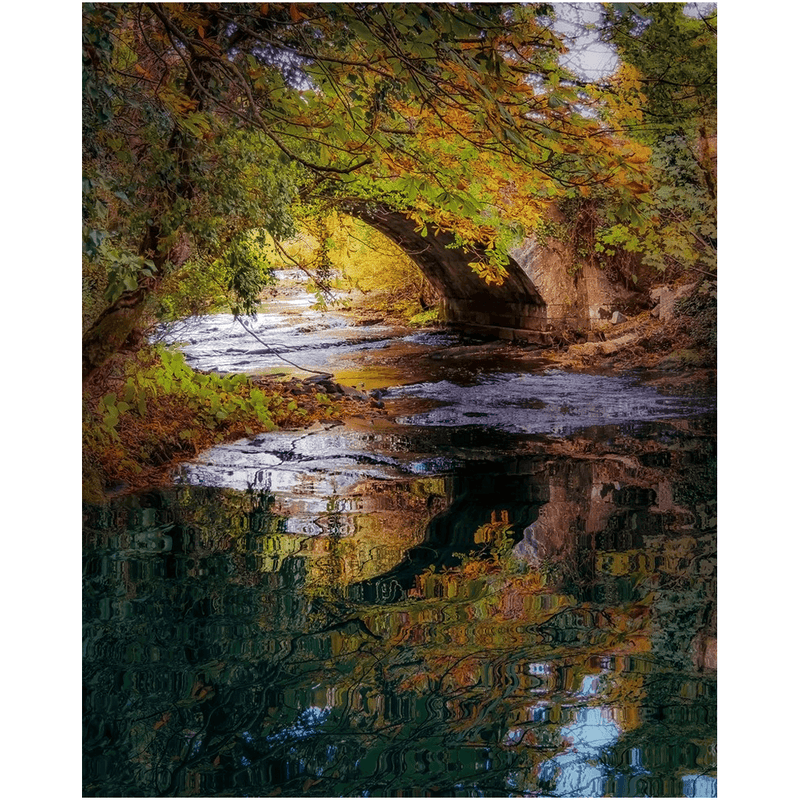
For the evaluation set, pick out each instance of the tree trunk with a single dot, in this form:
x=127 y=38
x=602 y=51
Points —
x=121 y=322
x=118 y=324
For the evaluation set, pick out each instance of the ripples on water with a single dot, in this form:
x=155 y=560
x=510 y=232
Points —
x=554 y=402
x=518 y=607
x=222 y=344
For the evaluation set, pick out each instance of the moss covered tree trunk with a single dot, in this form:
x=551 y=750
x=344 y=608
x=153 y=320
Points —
x=119 y=324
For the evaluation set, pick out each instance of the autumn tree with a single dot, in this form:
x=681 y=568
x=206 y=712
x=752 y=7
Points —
x=662 y=98
x=673 y=47
x=203 y=121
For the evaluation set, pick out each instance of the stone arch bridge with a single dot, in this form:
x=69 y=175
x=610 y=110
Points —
x=540 y=296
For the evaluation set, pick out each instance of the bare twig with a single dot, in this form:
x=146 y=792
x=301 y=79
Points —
x=275 y=352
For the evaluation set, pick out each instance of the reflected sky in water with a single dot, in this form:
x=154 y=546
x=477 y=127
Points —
x=576 y=772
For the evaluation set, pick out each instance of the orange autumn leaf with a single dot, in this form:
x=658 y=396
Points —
x=163 y=721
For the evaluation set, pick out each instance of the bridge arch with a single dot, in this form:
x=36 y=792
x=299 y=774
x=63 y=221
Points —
x=514 y=309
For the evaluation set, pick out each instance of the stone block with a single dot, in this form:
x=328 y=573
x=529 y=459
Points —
x=666 y=299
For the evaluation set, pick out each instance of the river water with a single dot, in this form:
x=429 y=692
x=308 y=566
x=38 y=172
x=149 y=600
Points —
x=504 y=585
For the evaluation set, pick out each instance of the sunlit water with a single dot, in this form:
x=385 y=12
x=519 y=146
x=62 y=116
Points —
x=510 y=592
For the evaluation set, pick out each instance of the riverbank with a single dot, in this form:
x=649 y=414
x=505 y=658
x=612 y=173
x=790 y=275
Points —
x=684 y=340
x=674 y=350
x=134 y=440
x=147 y=412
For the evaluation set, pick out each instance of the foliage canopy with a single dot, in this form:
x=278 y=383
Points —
x=669 y=82
x=203 y=121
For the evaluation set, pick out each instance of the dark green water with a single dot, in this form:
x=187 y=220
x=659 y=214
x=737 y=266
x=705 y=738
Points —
x=537 y=625
x=513 y=594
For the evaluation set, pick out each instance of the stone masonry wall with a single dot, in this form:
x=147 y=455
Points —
x=580 y=299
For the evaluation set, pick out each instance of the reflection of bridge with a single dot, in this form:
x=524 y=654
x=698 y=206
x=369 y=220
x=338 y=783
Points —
x=490 y=495
x=582 y=515
x=513 y=310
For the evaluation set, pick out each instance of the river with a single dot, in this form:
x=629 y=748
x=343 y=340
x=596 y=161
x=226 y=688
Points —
x=502 y=585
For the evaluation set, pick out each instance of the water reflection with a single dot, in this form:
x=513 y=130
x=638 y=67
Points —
x=537 y=619
x=578 y=771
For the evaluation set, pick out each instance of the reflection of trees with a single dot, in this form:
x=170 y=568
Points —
x=565 y=596
x=514 y=494
x=163 y=630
